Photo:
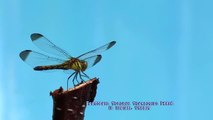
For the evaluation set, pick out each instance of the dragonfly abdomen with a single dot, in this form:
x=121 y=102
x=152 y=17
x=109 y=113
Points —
x=40 y=68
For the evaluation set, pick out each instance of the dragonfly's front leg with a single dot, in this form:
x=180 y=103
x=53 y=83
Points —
x=82 y=80
x=85 y=75
x=75 y=78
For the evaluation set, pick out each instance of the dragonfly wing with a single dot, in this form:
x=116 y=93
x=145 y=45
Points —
x=44 y=44
x=91 y=61
x=37 y=59
x=96 y=51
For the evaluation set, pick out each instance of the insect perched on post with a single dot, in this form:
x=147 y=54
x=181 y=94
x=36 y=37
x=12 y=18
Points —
x=64 y=61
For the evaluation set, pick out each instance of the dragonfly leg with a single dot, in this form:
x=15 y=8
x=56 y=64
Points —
x=69 y=78
x=85 y=75
x=75 y=78
x=82 y=80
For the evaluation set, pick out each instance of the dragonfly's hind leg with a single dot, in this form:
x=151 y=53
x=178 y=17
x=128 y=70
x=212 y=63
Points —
x=69 y=78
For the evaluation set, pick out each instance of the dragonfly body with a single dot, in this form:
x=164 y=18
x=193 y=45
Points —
x=73 y=64
x=66 y=62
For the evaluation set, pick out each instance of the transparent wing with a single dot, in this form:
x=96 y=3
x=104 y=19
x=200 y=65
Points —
x=91 y=61
x=37 y=59
x=96 y=51
x=44 y=44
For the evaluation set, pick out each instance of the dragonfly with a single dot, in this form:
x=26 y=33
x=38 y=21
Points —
x=75 y=66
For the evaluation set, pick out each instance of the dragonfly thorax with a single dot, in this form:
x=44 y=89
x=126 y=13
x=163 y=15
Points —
x=76 y=64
